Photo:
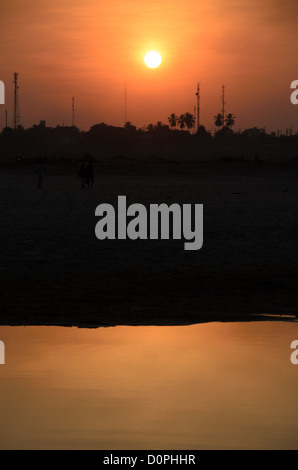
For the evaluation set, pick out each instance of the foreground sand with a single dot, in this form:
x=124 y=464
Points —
x=55 y=271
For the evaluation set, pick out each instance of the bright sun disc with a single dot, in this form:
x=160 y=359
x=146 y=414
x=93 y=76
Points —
x=152 y=59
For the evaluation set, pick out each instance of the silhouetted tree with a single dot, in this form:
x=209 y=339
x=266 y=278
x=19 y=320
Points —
x=253 y=132
x=181 y=121
x=219 y=120
x=95 y=130
x=150 y=127
x=203 y=134
x=8 y=133
x=230 y=120
x=161 y=129
x=189 y=120
x=158 y=125
x=129 y=126
x=173 y=119
x=224 y=133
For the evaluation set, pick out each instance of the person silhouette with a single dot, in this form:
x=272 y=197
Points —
x=40 y=171
x=82 y=175
x=90 y=175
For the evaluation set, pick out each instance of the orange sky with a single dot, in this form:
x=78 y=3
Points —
x=90 y=49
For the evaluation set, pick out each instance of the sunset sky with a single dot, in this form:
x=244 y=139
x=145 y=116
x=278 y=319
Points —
x=90 y=49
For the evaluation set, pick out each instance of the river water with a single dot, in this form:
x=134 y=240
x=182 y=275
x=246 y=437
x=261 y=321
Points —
x=205 y=386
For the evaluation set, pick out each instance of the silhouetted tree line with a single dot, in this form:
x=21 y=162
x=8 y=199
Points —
x=178 y=136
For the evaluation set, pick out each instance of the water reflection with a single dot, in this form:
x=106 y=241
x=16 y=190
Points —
x=209 y=386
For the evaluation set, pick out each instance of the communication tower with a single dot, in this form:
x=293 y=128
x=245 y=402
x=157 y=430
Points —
x=198 y=105
x=16 y=104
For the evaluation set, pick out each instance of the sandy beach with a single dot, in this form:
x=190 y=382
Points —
x=55 y=271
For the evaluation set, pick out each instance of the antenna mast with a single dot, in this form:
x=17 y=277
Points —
x=73 y=111
x=198 y=105
x=16 y=105
x=223 y=104
x=125 y=107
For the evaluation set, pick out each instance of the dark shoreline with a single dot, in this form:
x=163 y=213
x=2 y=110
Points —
x=201 y=319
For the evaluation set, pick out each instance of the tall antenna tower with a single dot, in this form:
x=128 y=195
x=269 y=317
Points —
x=195 y=114
x=223 y=103
x=73 y=111
x=16 y=105
x=198 y=105
x=125 y=105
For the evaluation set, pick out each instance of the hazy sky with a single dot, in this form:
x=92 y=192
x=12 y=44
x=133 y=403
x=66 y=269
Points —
x=90 y=49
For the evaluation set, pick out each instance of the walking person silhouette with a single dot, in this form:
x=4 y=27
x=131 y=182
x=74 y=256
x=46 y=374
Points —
x=40 y=171
x=90 y=175
x=82 y=175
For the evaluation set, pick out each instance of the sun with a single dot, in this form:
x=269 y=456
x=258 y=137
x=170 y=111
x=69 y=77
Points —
x=152 y=59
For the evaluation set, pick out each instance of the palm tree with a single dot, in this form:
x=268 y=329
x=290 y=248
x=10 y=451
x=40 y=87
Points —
x=219 y=120
x=181 y=121
x=189 y=120
x=230 y=120
x=173 y=119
